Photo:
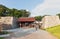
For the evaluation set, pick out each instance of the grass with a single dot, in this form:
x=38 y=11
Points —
x=54 y=30
x=4 y=32
x=1 y=38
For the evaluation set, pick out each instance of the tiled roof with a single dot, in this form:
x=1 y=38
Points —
x=26 y=19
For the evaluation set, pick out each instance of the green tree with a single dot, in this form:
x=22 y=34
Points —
x=19 y=13
x=25 y=13
x=4 y=11
x=58 y=15
x=38 y=18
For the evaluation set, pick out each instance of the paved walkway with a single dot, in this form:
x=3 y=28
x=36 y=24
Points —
x=32 y=34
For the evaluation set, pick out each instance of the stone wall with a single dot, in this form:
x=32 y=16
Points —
x=8 y=22
x=50 y=21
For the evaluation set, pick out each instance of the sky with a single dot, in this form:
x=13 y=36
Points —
x=36 y=7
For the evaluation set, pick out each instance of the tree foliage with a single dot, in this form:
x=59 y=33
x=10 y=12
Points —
x=38 y=18
x=4 y=11
x=58 y=15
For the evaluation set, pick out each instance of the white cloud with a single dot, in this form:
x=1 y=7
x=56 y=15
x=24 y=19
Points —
x=47 y=7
